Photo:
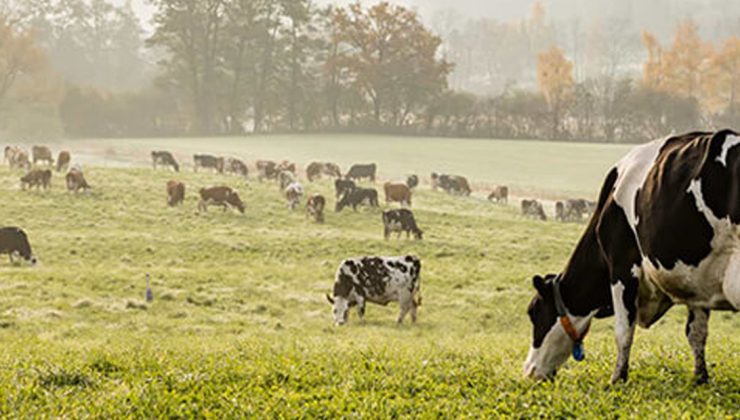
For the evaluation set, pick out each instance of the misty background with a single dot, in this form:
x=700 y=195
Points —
x=591 y=70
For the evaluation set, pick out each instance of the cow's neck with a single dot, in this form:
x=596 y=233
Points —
x=585 y=282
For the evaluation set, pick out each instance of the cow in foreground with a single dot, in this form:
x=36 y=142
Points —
x=220 y=196
x=63 y=160
x=358 y=172
x=175 y=193
x=42 y=154
x=39 y=178
x=76 y=181
x=315 y=207
x=357 y=197
x=379 y=280
x=397 y=192
x=164 y=158
x=400 y=220
x=14 y=241
x=499 y=195
x=665 y=232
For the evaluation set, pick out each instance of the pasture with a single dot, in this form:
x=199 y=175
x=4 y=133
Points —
x=240 y=327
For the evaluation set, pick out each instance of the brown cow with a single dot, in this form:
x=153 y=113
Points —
x=42 y=154
x=397 y=192
x=76 y=180
x=315 y=207
x=220 y=196
x=500 y=194
x=37 y=178
x=63 y=160
x=175 y=193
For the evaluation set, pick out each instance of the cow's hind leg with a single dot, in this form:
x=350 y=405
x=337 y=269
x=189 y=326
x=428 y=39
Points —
x=697 y=329
x=406 y=302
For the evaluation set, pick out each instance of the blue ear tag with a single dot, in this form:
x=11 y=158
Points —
x=578 y=353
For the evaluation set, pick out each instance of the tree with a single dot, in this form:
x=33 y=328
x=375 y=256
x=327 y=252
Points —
x=191 y=34
x=391 y=58
x=555 y=79
x=19 y=56
x=723 y=83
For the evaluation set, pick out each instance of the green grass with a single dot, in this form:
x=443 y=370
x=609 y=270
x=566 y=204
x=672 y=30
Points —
x=529 y=167
x=240 y=325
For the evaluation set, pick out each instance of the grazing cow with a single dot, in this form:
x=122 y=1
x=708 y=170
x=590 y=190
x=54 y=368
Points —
x=63 y=160
x=164 y=158
x=42 y=154
x=21 y=161
x=13 y=240
x=267 y=169
x=560 y=211
x=294 y=193
x=76 y=180
x=452 y=184
x=665 y=232
x=285 y=178
x=379 y=280
x=343 y=186
x=397 y=192
x=286 y=166
x=358 y=172
x=412 y=181
x=315 y=207
x=208 y=161
x=10 y=153
x=236 y=166
x=315 y=170
x=219 y=196
x=175 y=193
x=400 y=220
x=533 y=208
x=500 y=195
x=356 y=197
x=37 y=178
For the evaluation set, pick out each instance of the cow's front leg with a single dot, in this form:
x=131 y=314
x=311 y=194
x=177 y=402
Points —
x=624 y=298
x=697 y=329
x=413 y=311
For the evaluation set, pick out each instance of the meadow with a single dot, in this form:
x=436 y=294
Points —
x=240 y=326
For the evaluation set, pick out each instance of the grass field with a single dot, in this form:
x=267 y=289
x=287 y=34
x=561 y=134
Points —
x=240 y=327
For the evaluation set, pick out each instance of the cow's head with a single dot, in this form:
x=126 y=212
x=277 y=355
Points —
x=551 y=345
x=340 y=310
x=419 y=234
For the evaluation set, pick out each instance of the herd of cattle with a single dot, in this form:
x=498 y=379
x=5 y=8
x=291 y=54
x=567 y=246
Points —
x=664 y=232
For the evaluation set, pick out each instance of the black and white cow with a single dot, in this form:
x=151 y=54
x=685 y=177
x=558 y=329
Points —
x=400 y=220
x=13 y=240
x=378 y=280
x=666 y=231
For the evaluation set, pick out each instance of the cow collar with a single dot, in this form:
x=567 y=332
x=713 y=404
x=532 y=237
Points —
x=565 y=322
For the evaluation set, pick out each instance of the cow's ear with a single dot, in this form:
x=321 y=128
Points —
x=329 y=299
x=540 y=284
